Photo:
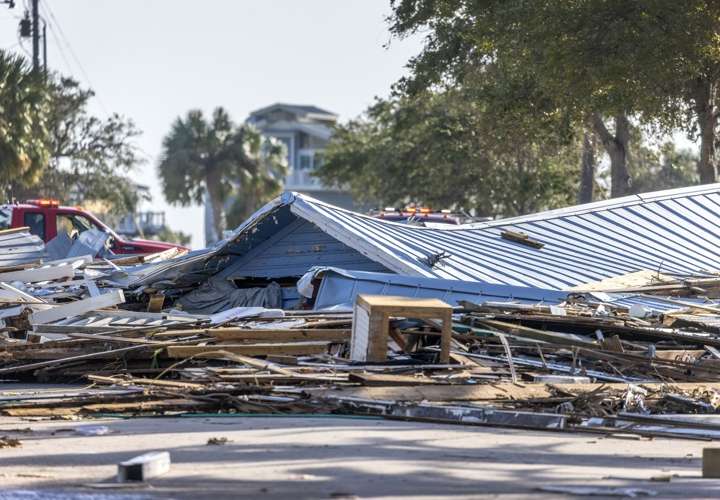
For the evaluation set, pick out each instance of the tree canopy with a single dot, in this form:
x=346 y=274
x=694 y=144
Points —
x=24 y=107
x=216 y=158
x=47 y=134
x=90 y=159
x=600 y=63
x=442 y=149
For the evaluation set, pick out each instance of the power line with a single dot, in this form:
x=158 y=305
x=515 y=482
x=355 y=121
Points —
x=56 y=37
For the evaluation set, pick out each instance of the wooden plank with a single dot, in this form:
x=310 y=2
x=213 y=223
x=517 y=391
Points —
x=401 y=302
x=385 y=379
x=246 y=360
x=111 y=338
x=155 y=304
x=79 y=307
x=279 y=335
x=20 y=295
x=82 y=357
x=39 y=274
x=557 y=338
x=145 y=381
x=494 y=392
x=15 y=230
x=294 y=349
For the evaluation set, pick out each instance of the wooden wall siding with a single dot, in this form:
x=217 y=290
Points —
x=293 y=250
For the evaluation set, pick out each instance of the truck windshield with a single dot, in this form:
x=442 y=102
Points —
x=73 y=223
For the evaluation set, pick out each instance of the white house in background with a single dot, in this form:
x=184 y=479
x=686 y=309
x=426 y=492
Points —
x=305 y=130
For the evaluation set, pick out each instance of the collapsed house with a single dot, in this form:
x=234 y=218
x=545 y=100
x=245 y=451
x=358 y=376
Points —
x=608 y=312
x=671 y=232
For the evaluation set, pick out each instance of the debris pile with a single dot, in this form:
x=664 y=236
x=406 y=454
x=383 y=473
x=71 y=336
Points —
x=261 y=323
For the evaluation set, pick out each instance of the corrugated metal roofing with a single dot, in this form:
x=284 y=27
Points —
x=339 y=288
x=675 y=232
x=20 y=247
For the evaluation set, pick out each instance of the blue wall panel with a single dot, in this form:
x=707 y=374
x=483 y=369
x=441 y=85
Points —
x=294 y=249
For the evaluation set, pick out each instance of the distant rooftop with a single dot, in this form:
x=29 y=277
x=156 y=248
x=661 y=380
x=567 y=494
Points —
x=299 y=109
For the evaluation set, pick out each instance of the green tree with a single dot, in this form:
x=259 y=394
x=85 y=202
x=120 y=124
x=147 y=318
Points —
x=91 y=159
x=443 y=150
x=216 y=158
x=24 y=108
x=598 y=62
x=661 y=165
x=168 y=235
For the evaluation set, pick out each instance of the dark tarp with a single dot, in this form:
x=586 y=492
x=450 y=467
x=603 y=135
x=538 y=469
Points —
x=217 y=295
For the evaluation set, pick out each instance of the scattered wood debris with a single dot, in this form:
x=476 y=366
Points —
x=8 y=442
x=218 y=441
x=584 y=364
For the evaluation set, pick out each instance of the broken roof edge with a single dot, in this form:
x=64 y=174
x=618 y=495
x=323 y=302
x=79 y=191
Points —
x=309 y=209
x=625 y=201
x=305 y=206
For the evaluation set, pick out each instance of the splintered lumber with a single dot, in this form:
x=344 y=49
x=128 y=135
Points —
x=116 y=339
x=78 y=307
x=70 y=359
x=522 y=238
x=155 y=304
x=284 y=335
x=388 y=379
x=145 y=381
x=289 y=348
x=544 y=336
x=246 y=360
x=178 y=404
x=12 y=294
x=492 y=392
x=39 y=274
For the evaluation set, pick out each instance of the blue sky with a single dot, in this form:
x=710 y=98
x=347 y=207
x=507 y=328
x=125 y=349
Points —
x=152 y=60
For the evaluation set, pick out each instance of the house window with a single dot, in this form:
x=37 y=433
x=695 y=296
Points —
x=317 y=163
x=305 y=161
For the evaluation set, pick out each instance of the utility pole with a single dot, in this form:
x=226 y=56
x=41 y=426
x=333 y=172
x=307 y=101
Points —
x=45 y=48
x=36 y=35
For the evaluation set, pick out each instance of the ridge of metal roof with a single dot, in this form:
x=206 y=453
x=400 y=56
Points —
x=609 y=204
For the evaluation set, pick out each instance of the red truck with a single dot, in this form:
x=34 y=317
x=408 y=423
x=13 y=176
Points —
x=45 y=217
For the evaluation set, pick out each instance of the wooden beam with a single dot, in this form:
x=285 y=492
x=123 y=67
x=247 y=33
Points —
x=78 y=307
x=291 y=348
x=494 y=392
x=39 y=274
x=235 y=334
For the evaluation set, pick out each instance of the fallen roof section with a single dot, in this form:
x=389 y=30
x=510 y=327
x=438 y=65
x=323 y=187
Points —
x=673 y=232
x=339 y=288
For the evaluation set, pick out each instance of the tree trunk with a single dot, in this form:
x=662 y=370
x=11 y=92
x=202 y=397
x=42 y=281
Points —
x=214 y=190
x=616 y=147
x=707 y=115
x=587 y=169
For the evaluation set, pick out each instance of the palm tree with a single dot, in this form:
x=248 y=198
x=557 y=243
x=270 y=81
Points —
x=216 y=158
x=24 y=108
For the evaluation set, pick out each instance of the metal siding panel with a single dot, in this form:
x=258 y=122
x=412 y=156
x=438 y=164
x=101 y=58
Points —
x=295 y=249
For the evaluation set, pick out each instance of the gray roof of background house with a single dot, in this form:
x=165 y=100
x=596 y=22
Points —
x=301 y=109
